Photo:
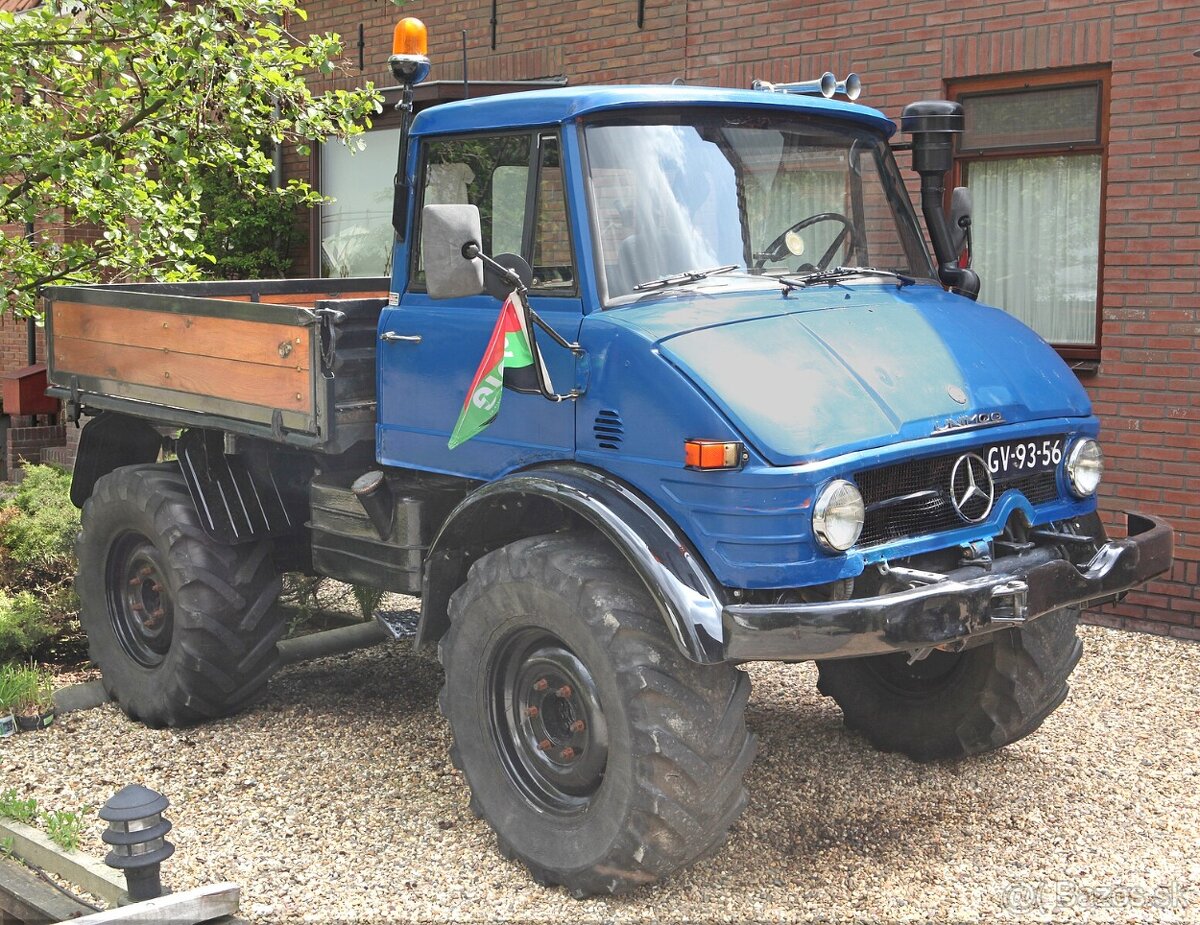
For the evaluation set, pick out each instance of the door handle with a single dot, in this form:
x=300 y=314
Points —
x=392 y=337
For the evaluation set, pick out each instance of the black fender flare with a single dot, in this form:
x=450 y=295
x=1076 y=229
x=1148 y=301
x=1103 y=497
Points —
x=688 y=597
x=108 y=441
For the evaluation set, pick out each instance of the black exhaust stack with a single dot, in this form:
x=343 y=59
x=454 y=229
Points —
x=933 y=125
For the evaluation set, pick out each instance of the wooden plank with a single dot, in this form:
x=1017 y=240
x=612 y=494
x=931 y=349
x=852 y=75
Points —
x=234 y=380
x=28 y=899
x=305 y=299
x=89 y=874
x=199 y=905
x=264 y=342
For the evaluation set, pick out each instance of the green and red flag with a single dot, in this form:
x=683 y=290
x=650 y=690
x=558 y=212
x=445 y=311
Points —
x=508 y=362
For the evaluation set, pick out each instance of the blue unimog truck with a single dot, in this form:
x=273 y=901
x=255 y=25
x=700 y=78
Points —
x=736 y=413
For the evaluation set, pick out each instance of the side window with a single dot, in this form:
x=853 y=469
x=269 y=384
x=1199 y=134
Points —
x=491 y=173
x=552 y=265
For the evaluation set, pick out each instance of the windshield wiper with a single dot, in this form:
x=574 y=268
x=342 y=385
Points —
x=677 y=279
x=832 y=276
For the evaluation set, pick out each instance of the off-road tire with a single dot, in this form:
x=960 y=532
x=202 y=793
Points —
x=677 y=744
x=215 y=647
x=954 y=705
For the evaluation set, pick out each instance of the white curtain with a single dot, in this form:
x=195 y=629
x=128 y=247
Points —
x=1036 y=239
x=356 y=228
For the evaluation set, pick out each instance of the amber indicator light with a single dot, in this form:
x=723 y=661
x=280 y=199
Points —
x=712 y=454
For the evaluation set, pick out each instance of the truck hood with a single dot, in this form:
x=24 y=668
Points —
x=844 y=368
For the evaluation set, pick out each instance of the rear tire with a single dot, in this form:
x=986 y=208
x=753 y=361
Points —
x=603 y=758
x=182 y=627
x=950 y=705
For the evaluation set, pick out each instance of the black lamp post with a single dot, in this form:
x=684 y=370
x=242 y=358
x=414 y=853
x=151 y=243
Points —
x=136 y=830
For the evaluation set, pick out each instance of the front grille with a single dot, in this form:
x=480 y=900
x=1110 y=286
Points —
x=913 y=498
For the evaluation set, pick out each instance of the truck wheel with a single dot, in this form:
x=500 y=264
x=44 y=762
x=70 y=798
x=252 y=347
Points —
x=182 y=627
x=603 y=758
x=950 y=705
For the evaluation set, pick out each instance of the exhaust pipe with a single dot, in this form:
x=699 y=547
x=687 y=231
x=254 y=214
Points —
x=933 y=125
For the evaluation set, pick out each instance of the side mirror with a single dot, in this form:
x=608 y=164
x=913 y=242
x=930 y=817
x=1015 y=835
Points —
x=960 y=219
x=445 y=229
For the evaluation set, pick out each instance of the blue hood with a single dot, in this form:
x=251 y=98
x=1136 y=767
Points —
x=836 y=369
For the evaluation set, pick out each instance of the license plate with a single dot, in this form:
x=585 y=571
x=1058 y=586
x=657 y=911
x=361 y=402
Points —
x=1018 y=457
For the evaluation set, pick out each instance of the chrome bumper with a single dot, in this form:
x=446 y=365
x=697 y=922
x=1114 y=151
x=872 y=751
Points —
x=949 y=609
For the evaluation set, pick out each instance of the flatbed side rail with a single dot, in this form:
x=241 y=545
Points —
x=243 y=357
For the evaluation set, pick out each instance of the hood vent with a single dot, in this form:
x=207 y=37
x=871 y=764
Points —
x=609 y=430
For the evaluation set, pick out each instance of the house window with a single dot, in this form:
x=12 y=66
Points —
x=356 y=228
x=1032 y=155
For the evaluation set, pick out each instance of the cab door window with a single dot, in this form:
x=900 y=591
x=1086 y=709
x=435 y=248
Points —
x=516 y=183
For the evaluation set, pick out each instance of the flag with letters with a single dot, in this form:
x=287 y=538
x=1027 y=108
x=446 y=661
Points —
x=508 y=362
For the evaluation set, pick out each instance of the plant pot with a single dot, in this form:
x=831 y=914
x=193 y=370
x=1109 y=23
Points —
x=8 y=725
x=35 y=721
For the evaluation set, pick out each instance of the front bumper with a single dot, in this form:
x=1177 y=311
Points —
x=952 y=609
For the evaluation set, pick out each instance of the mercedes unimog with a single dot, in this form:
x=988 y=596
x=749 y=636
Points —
x=663 y=381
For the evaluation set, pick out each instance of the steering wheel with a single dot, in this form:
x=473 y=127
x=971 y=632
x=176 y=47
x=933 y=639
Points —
x=778 y=248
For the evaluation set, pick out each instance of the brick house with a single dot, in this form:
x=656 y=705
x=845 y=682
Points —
x=1082 y=152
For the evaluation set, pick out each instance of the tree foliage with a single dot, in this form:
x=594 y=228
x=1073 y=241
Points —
x=113 y=112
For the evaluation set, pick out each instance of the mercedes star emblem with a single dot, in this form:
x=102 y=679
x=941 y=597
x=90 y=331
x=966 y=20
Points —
x=972 y=490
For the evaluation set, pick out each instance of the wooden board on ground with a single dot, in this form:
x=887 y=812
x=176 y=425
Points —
x=89 y=874
x=26 y=898
x=199 y=905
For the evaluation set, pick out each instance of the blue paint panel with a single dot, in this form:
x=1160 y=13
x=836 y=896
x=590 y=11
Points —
x=553 y=107
x=853 y=367
x=423 y=386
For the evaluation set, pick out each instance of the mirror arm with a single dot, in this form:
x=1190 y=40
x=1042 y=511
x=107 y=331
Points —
x=472 y=251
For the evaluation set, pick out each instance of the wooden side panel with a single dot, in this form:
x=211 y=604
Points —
x=184 y=335
x=255 y=362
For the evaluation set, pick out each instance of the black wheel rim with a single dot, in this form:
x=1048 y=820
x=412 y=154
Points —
x=547 y=722
x=931 y=675
x=139 y=602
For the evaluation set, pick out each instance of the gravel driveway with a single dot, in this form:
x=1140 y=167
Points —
x=334 y=800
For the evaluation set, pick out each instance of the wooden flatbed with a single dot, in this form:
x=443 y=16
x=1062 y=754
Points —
x=291 y=360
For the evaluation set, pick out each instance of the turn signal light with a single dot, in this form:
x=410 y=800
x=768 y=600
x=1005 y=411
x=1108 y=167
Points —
x=410 y=37
x=712 y=454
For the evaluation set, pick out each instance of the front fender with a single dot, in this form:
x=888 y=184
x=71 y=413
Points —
x=687 y=596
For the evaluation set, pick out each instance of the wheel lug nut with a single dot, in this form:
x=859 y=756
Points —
x=577 y=726
x=564 y=692
x=541 y=684
x=567 y=753
x=156 y=587
x=545 y=745
x=134 y=582
x=136 y=607
x=531 y=712
x=146 y=572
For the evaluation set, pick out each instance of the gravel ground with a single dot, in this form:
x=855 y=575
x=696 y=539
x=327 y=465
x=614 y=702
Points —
x=334 y=800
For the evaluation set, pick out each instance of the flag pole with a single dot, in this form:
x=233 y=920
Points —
x=472 y=251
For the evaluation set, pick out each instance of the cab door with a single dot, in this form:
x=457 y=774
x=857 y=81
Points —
x=430 y=349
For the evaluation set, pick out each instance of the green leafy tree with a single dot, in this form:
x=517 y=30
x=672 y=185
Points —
x=113 y=113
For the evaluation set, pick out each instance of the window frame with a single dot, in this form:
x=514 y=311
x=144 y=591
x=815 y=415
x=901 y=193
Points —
x=1098 y=76
x=537 y=145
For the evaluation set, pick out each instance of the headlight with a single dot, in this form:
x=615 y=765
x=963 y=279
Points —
x=1085 y=466
x=838 y=516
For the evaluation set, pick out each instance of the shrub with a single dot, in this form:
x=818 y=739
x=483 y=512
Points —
x=24 y=624
x=41 y=532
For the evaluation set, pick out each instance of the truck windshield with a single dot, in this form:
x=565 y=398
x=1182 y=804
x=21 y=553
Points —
x=679 y=196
